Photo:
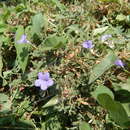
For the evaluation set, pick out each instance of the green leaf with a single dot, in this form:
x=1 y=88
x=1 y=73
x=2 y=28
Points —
x=19 y=33
x=37 y=23
x=23 y=107
x=103 y=66
x=53 y=101
x=116 y=110
x=84 y=126
x=51 y=123
x=59 y=5
x=3 y=28
x=53 y=42
x=120 y=17
x=5 y=103
x=1 y=65
x=26 y=124
x=128 y=18
x=22 y=50
x=99 y=30
x=22 y=55
x=102 y=90
x=126 y=85
x=127 y=108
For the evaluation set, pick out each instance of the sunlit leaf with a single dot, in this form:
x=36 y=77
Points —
x=58 y=4
x=5 y=103
x=53 y=42
x=99 y=30
x=53 y=101
x=127 y=108
x=115 y=109
x=3 y=27
x=21 y=49
x=103 y=66
x=84 y=126
x=37 y=23
x=120 y=17
x=102 y=90
x=126 y=85
x=26 y=123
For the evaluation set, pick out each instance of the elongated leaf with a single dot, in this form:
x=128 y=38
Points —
x=22 y=55
x=26 y=124
x=19 y=33
x=117 y=113
x=127 y=108
x=1 y=62
x=120 y=17
x=84 y=126
x=53 y=42
x=116 y=110
x=102 y=90
x=1 y=65
x=37 y=23
x=21 y=49
x=103 y=66
x=51 y=102
x=3 y=27
x=5 y=103
x=99 y=30
x=126 y=85
x=58 y=4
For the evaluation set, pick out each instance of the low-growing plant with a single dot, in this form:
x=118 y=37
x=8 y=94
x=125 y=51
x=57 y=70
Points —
x=64 y=65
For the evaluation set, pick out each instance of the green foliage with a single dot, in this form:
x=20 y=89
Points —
x=52 y=102
x=115 y=109
x=3 y=27
x=37 y=23
x=84 y=126
x=58 y=4
x=103 y=66
x=120 y=17
x=21 y=49
x=56 y=30
x=1 y=64
x=100 y=30
x=5 y=103
x=51 y=123
x=52 y=43
x=102 y=90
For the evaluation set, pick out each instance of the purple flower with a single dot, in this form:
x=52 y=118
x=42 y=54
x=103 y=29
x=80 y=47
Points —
x=88 y=44
x=44 y=81
x=105 y=37
x=23 y=39
x=119 y=63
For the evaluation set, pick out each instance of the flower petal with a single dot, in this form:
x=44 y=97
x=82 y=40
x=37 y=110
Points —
x=46 y=76
x=44 y=85
x=87 y=44
x=50 y=82
x=38 y=82
x=119 y=63
x=105 y=37
x=40 y=75
x=23 y=39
